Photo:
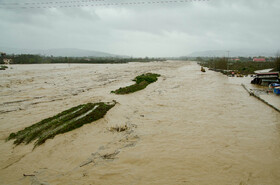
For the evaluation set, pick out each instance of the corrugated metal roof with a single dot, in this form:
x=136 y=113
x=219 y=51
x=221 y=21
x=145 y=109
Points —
x=259 y=59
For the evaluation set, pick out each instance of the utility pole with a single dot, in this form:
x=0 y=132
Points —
x=228 y=60
x=213 y=62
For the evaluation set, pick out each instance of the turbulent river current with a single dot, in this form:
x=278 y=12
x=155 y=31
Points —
x=189 y=127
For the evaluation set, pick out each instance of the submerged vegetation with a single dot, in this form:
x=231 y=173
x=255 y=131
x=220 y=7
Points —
x=63 y=122
x=142 y=82
x=3 y=67
x=118 y=128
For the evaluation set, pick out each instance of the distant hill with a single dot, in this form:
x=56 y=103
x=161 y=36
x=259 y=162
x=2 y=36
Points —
x=233 y=53
x=62 y=52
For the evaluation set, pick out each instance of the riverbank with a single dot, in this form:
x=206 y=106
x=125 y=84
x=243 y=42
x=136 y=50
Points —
x=273 y=101
x=263 y=93
x=187 y=128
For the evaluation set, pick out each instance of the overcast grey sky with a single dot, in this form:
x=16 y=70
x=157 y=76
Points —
x=173 y=29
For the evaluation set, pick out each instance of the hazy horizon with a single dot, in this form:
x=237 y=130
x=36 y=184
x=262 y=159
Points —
x=153 y=30
x=76 y=52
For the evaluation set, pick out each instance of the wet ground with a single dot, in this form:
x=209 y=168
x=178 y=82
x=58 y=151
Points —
x=187 y=128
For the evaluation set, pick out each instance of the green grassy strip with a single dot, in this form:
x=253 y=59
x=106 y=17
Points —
x=28 y=129
x=142 y=82
x=31 y=134
x=36 y=132
x=3 y=67
x=132 y=88
x=100 y=110
x=61 y=123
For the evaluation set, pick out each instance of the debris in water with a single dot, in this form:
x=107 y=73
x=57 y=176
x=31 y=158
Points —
x=202 y=69
x=118 y=128
x=110 y=156
x=86 y=163
x=31 y=175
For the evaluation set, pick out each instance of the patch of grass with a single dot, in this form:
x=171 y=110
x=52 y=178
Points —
x=142 y=82
x=61 y=123
x=148 y=77
x=3 y=67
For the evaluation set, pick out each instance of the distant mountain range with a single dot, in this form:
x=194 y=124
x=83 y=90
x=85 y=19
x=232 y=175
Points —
x=232 y=53
x=62 y=52
x=72 y=52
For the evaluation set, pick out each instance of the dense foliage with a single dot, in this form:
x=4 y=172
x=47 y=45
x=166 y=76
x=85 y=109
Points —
x=242 y=67
x=37 y=59
x=277 y=63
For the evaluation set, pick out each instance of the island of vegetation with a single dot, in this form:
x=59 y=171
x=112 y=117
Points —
x=141 y=82
x=61 y=123
x=3 y=67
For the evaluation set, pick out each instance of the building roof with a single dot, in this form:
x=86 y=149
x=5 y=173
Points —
x=259 y=59
x=267 y=74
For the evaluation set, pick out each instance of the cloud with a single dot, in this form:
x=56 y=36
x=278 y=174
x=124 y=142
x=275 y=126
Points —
x=172 y=29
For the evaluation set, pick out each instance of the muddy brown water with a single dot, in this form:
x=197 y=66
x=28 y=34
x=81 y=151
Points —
x=188 y=128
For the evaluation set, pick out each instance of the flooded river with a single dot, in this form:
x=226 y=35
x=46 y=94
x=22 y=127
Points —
x=188 y=128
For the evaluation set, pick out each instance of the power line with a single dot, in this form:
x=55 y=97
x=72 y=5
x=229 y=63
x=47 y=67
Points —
x=94 y=3
x=48 y=2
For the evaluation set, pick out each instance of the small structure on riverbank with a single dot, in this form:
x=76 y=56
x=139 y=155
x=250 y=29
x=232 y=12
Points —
x=202 y=69
x=266 y=78
x=276 y=90
x=7 y=61
x=259 y=60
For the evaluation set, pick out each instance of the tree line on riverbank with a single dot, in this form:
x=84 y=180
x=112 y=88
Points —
x=38 y=59
x=242 y=66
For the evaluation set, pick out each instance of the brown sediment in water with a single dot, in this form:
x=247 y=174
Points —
x=188 y=128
